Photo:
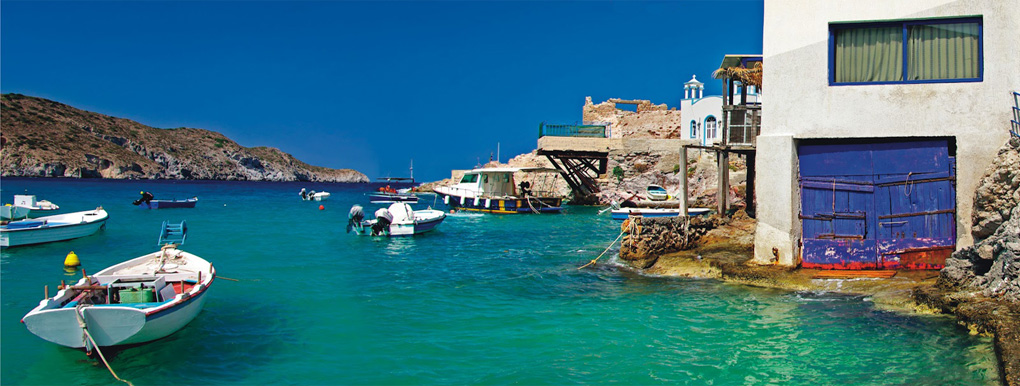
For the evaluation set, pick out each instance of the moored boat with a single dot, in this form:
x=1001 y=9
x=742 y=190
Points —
x=496 y=190
x=168 y=204
x=390 y=198
x=313 y=195
x=29 y=201
x=397 y=220
x=623 y=213
x=656 y=193
x=10 y=212
x=136 y=301
x=52 y=228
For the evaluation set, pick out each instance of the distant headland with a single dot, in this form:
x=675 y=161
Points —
x=43 y=138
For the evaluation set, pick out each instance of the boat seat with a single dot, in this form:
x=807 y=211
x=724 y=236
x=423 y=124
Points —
x=133 y=305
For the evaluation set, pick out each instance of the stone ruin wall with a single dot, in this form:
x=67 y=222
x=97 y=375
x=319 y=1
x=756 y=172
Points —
x=650 y=120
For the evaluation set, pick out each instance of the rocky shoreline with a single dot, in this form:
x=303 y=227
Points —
x=43 y=138
x=723 y=253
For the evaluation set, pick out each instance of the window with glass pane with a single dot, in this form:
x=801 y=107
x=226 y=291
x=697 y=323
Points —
x=909 y=51
x=942 y=51
x=869 y=55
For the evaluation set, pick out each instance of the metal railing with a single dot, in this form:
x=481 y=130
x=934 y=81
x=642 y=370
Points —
x=1015 y=122
x=587 y=131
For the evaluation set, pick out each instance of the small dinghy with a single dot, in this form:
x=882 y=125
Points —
x=656 y=193
x=167 y=204
x=52 y=228
x=397 y=220
x=136 y=301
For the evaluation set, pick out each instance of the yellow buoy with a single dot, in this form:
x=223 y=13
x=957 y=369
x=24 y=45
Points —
x=71 y=260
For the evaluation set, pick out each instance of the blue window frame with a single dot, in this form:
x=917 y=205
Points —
x=906 y=51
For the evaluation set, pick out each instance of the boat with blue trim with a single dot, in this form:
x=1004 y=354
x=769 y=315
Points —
x=503 y=190
x=47 y=229
x=167 y=204
x=136 y=301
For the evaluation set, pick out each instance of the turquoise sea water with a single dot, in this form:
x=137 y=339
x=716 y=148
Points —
x=485 y=299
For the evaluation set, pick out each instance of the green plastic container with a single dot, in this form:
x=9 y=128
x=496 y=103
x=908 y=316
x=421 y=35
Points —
x=134 y=295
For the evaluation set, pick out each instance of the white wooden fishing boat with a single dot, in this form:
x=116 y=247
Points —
x=137 y=301
x=52 y=228
x=10 y=212
x=656 y=193
x=29 y=201
x=397 y=220
x=497 y=190
x=622 y=213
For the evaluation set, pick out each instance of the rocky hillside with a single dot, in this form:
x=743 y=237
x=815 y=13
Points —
x=39 y=137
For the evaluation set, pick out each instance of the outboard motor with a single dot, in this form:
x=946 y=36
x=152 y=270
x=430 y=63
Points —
x=354 y=217
x=383 y=219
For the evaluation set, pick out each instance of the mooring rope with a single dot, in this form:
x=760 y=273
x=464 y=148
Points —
x=527 y=197
x=79 y=313
x=603 y=252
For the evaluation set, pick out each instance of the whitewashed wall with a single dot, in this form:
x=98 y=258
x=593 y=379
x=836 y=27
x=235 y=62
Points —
x=802 y=105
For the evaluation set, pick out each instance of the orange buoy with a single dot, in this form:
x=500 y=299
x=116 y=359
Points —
x=321 y=207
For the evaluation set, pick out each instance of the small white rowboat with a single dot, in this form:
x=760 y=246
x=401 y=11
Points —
x=137 y=301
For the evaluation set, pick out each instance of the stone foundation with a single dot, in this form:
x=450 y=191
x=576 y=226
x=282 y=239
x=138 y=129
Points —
x=646 y=239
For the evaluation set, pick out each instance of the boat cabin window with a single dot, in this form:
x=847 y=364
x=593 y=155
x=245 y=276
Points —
x=485 y=179
x=469 y=178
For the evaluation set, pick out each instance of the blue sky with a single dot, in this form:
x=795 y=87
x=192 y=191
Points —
x=368 y=85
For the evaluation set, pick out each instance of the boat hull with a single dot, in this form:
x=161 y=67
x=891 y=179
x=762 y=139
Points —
x=119 y=305
x=623 y=214
x=52 y=228
x=113 y=325
x=169 y=204
x=512 y=205
x=425 y=221
x=390 y=198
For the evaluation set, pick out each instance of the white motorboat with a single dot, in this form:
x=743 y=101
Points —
x=313 y=195
x=29 y=201
x=52 y=228
x=136 y=301
x=397 y=220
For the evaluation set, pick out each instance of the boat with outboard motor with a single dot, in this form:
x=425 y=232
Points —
x=47 y=229
x=136 y=301
x=497 y=190
x=167 y=204
x=313 y=195
x=397 y=220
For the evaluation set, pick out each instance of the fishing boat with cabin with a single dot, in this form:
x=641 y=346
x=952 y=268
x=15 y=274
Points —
x=504 y=190
x=136 y=301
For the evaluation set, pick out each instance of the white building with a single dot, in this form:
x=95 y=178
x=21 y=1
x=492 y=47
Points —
x=881 y=118
x=702 y=115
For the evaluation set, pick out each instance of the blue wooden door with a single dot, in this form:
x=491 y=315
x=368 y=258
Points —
x=877 y=204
